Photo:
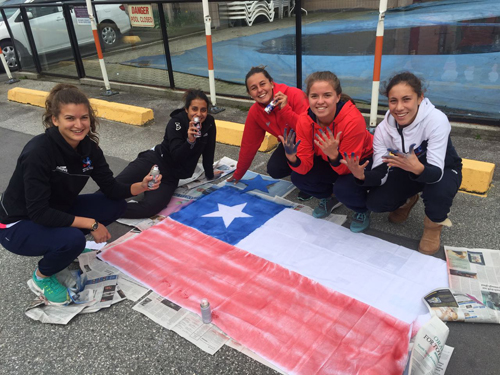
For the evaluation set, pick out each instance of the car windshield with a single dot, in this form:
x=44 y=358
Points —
x=9 y=12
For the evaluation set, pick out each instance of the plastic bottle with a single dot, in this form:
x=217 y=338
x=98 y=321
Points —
x=206 y=312
x=155 y=171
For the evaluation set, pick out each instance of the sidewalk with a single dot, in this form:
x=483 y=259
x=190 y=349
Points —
x=119 y=340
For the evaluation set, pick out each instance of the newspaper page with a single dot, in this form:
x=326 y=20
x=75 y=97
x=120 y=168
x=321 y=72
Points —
x=95 y=268
x=474 y=293
x=428 y=347
x=221 y=167
x=475 y=272
x=186 y=324
x=451 y=306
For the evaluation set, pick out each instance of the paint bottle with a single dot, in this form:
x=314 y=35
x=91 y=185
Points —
x=269 y=108
x=155 y=171
x=198 y=126
x=206 y=312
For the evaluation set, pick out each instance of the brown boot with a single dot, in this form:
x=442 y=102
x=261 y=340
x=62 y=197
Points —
x=401 y=214
x=431 y=239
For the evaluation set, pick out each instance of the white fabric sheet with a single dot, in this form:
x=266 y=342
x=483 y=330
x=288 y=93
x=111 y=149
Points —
x=389 y=277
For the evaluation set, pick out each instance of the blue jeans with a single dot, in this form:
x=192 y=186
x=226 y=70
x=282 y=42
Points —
x=61 y=245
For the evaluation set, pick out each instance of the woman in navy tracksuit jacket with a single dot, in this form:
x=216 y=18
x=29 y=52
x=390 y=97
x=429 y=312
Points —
x=41 y=211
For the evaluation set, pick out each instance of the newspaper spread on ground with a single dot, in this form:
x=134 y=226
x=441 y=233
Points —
x=429 y=354
x=222 y=168
x=186 y=324
x=474 y=293
x=142 y=224
x=95 y=268
x=87 y=295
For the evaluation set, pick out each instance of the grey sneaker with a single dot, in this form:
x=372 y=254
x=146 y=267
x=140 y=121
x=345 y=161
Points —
x=325 y=207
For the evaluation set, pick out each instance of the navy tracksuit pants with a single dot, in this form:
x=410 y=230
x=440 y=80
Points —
x=59 y=246
x=322 y=181
x=399 y=186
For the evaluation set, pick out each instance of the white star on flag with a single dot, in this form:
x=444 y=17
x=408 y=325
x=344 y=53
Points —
x=228 y=213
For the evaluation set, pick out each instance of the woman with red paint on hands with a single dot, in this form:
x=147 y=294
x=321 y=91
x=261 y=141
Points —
x=289 y=102
x=189 y=134
x=331 y=127
x=413 y=153
x=41 y=211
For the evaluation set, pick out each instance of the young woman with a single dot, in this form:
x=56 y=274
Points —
x=41 y=212
x=290 y=103
x=412 y=153
x=177 y=156
x=331 y=128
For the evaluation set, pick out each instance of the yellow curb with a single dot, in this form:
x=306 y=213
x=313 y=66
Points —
x=128 y=114
x=476 y=176
x=230 y=133
x=131 y=39
x=27 y=96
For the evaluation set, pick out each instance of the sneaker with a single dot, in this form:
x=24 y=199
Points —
x=325 y=207
x=303 y=197
x=51 y=289
x=360 y=221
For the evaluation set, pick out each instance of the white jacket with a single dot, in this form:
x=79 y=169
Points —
x=430 y=132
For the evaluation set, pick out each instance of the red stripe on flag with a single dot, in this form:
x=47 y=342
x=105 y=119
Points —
x=296 y=323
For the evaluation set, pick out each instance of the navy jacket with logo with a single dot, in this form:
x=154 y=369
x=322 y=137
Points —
x=181 y=157
x=48 y=177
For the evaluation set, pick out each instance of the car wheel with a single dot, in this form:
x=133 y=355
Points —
x=109 y=34
x=10 y=54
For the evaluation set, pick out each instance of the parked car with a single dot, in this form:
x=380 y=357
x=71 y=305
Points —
x=50 y=32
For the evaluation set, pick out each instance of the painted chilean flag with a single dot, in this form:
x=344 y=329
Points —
x=259 y=294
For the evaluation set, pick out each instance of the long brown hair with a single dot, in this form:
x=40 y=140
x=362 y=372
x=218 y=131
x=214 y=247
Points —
x=63 y=94
x=332 y=79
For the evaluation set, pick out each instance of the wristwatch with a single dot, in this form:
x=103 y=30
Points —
x=94 y=226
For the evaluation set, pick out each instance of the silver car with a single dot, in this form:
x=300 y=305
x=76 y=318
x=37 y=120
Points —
x=50 y=32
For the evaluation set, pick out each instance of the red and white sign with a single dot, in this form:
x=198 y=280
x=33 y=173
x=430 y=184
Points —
x=141 y=15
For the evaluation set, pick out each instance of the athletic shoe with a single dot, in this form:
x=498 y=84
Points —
x=360 y=221
x=303 y=197
x=52 y=289
x=325 y=207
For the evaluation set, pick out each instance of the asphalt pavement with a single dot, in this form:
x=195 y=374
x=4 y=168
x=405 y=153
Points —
x=122 y=341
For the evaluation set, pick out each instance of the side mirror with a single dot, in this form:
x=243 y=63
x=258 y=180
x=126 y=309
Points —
x=30 y=15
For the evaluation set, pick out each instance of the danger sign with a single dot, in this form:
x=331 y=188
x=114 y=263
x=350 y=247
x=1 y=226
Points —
x=141 y=15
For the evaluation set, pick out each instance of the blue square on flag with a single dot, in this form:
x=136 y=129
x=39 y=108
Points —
x=227 y=214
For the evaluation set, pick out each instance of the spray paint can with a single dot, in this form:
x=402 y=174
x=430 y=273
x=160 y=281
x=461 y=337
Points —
x=269 y=108
x=206 y=312
x=155 y=171
x=198 y=126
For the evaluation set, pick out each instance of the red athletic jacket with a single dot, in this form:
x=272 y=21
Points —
x=354 y=138
x=258 y=122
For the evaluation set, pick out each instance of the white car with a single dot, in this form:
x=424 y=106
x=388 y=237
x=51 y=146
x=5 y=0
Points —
x=50 y=32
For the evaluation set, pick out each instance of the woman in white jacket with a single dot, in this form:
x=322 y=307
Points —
x=412 y=153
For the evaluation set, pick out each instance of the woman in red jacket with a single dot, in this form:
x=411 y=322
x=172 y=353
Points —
x=289 y=103
x=331 y=127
